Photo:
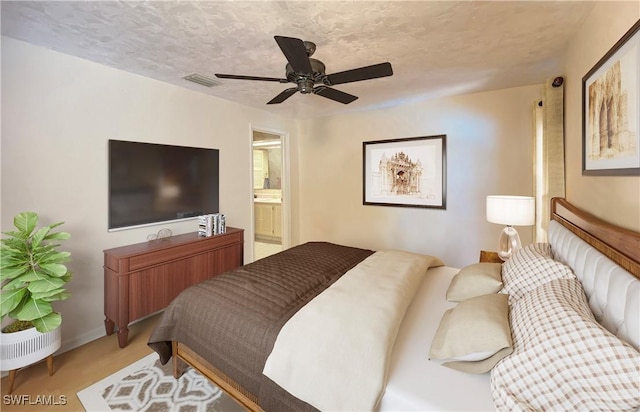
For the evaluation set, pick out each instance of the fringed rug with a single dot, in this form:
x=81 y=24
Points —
x=146 y=385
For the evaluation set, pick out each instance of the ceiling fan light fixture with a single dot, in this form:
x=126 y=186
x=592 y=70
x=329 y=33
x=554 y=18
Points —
x=305 y=86
x=201 y=80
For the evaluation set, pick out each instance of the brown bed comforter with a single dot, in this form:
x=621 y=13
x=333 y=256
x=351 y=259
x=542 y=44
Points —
x=233 y=320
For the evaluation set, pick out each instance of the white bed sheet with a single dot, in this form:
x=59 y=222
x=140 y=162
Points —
x=418 y=384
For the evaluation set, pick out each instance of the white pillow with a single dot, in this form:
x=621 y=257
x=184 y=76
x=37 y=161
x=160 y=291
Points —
x=474 y=335
x=475 y=280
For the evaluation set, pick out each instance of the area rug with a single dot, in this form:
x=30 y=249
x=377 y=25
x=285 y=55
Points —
x=146 y=385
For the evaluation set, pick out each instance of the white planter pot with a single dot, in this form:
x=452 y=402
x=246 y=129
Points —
x=19 y=349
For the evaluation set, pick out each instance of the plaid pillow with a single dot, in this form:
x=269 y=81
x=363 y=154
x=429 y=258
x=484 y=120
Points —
x=529 y=268
x=563 y=359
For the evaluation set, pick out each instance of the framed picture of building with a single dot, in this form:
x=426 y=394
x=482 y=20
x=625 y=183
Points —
x=408 y=172
x=611 y=111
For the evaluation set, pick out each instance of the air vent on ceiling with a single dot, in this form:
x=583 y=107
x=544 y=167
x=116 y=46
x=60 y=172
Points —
x=201 y=80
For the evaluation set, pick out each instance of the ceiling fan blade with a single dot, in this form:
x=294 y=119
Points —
x=266 y=79
x=334 y=94
x=363 y=73
x=283 y=96
x=296 y=54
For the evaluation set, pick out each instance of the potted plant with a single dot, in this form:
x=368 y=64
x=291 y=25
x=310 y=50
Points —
x=32 y=276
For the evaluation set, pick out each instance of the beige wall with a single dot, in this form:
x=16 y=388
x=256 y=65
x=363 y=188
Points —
x=613 y=198
x=58 y=113
x=489 y=150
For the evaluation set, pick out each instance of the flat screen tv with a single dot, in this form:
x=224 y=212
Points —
x=153 y=183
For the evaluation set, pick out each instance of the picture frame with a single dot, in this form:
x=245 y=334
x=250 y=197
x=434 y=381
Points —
x=611 y=111
x=405 y=172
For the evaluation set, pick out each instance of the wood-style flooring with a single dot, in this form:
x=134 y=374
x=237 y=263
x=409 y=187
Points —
x=73 y=371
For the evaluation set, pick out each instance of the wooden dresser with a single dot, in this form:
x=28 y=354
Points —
x=143 y=278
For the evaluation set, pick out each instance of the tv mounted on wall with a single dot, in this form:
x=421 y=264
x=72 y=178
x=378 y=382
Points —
x=154 y=183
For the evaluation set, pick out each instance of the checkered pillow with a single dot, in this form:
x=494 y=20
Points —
x=563 y=359
x=529 y=268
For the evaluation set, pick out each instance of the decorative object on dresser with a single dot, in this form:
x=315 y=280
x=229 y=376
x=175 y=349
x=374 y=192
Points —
x=33 y=275
x=211 y=225
x=142 y=278
x=162 y=234
x=510 y=211
x=407 y=172
x=611 y=110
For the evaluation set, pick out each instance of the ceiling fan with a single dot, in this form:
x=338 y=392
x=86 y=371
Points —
x=306 y=72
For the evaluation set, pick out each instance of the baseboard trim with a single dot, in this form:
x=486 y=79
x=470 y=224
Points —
x=83 y=339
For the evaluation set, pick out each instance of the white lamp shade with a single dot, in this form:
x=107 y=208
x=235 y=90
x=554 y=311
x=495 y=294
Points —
x=511 y=210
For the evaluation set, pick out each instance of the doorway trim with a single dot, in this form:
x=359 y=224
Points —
x=285 y=186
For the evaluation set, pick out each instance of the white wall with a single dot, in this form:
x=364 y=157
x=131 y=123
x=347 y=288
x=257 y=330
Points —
x=489 y=151
x=58 y=113
x=613 y=198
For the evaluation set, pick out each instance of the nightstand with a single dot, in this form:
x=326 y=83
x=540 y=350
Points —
x=490 y=257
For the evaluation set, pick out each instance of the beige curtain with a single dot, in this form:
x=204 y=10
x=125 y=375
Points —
x=548 y=151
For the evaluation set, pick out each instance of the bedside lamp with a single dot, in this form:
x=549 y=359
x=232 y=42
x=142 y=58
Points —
x=510 y=211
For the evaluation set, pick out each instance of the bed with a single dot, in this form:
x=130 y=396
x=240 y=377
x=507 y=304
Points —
x=234 y=353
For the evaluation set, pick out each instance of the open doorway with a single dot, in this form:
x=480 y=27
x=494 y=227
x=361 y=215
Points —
x=268 y=188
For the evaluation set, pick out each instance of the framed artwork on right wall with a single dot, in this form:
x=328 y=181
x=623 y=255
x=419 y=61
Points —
x=611 y=111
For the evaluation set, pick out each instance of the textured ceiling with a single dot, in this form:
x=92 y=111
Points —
x=436 y=48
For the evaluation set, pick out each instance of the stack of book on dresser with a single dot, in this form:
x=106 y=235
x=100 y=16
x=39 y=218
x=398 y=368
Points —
x=213 y=224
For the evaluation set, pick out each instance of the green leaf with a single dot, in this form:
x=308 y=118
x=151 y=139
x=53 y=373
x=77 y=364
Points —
x=51 y=256
x=12 y=272
x=66 y=277
x=13 y=248
x=16 y=283
x=15 y=235
x=56 y=224
x=30 y=276
x=48 y=295
x=58 y=236
x=10 y=300
x=25 y=222
x=12 y=233
x=39 y=236
x=54 y=269
x=55 y=257
x=43 y=251
x=57 y=296
x=8 y=258
x=47 y=323
x=45 y=284
x=34 y=309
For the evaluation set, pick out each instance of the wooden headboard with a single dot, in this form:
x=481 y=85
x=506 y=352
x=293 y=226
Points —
x=618 y=244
